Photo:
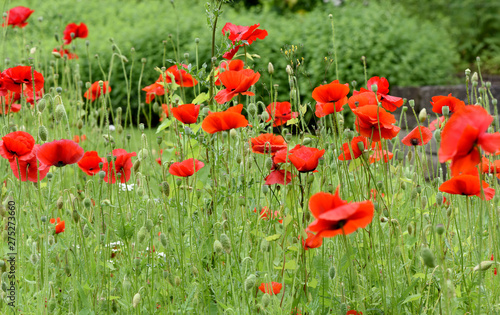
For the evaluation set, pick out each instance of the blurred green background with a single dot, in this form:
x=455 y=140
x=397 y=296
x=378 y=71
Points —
x=412 y=42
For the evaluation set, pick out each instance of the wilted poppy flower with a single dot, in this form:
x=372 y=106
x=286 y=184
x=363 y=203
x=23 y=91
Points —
x=236 y=82
x=165 y=111
x=29 y=167
x=77 y=138
x=436 y=123
x=153 y=90
x=60 y=226
x=61 y=52
x=18 y=144
x=265 y=214
x=18 y=16
x=359 y=99
x=19 y=78
x=90 y=163
x=463 y=134
x=60 y=153
x=158 y=159
x=453 y=103
x=467 y=185
x=367 y=123
x=330 y=98
x=226 y=120
x=312 y=241
x=391 y=103
x=244 y=34
x=267 y=143
x=272 y=288
x=78 y=31
x=278 y=177
x=233 y=65
x=10 y=108
x=181 y=77
x=187 y=113
x=280 y=113
x=122 y=165
x=419 y=136
x=185 y=168
x=335 y=216
x=9 y=99
x=305 y=159
x=354 y=146
x=95 y=90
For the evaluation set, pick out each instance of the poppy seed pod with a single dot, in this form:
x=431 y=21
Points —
x=226 y=243
x=265 y=189
x=102 y=174
x=43 y=133
x=136 y=300
x=427 y=257
x=218 y=247
x=250 y=282
x=440 y=229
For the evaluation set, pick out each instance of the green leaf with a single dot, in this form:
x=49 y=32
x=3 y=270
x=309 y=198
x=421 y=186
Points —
x=413 y=297
x=355 y=164
x=287 y=220
x=313 y=283
x=292 y=121
x=303 y=109
x=273 y=237
x=289 y=265
x=165 y=124
x=202 y=97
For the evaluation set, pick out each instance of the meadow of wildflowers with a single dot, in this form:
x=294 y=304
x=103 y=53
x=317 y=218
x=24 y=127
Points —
x=234 y=205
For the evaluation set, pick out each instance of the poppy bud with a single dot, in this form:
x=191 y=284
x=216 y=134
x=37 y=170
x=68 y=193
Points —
x=143 y=154
x=332 y=272
x=440 y=229
x=306 y=141
x=159 y=140
x=410 y=228
x=270 y=68
x=250 y=282
x=43 y=133
x=43 y=218
x=136 y=165
x=422 y=116
x=76 y=216
x=264 y=116
x=165 y=188
x=218 y=247
x=264 y=245
x=226 y=243
x=163 y=239
x=484 y=265
x=50 y=176
x=60 y=203
x=288 y=137
x=423 y=201
x=177 y=281
x=467 y=72
x=439 y=199
x=266 y=299
x=437 y=135
x=446 y=111
x=136 y=300
x=289 y=70
x=51 y=240
x=428 y=257
x=141 y=235
x=238 y=158
x=269 y=163
x=265 y=189
x=86 y=231
x=252 y=109
x=60 y=112
x=494 y=102
x=137 y=261
x=474 y=77
x=149 y=225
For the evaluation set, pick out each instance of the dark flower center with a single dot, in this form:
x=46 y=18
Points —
x=60 y=164
x=414 y=141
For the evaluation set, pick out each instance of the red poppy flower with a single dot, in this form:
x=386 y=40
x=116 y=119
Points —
x=278 y=177
x=353 y=312
x=29 y=167
x=153 y=90
x=453 y=103
x=233 y=65
x=18 y=16
x=312 y=241
x=60 y=153
x=165 y=111
x=355 y=148
x=95 y=90
x=491 y=167
x=436 y=123
x=64 y=52
x=90 y=163
x=19 y=78
x=187 y=113
x=158 y=160
x=391 y=103
x=10 y=108
x=359 y=99
x=267 y=143
x=280 y=113
x=467 y=185
x=239 y=33
x=18 y=144
x=463 y=134
x=419 y=136
x=305 y=159
x=265 y=213
x=272 y=288
x=236 y=82
x=60 y=226
x=78 y=31
x=379 y=154
x=330 y=98
x=181 y=77
x=185 y=168
x=335 y=216
x=77 y=138
x=122 y=165
x=226 y=120
x=28 y=94
x=367 y=123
